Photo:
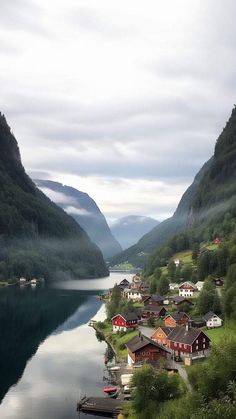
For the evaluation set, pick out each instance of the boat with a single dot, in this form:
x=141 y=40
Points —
x=115 y=368
x=110 y=389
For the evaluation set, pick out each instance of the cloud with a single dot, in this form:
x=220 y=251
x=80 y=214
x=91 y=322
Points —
x=115 y=93
x=76 y=211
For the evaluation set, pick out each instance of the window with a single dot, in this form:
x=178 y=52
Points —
x=197 y=348
x=185 y=346
x=175 y=344
x=204 y=340
x=204 y=345
x=197 y=341
x=180 y=345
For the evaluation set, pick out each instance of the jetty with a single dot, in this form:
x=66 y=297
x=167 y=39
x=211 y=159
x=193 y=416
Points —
x=100 y=406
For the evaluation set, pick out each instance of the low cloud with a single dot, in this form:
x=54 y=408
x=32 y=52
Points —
x=109 y=97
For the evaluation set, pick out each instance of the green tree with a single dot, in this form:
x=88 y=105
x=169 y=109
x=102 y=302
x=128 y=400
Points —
x=151 y=387
x=163 y=286
x=195 y=252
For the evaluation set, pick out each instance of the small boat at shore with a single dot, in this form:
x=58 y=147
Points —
x=115 y=368
x=110 y=390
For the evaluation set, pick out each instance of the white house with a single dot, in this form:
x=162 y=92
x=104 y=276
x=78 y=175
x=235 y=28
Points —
x=132 y=294
x=177 y=262
x=212 y=320
x=173 y=286
x=22 y=280
x=187 y=289
x=199 y=285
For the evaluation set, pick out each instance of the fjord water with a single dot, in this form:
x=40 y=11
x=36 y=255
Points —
x=49 y=356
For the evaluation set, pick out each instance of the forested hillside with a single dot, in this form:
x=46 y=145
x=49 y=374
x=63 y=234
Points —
x=37 y=237
x=206 y=203
x=85 y=212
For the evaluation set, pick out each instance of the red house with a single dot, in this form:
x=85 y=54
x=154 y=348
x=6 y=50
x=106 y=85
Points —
x=124 y=322
x=176 y=319
x=217 y=241
x=188 y=342
x=155 y=312
x=143 y=349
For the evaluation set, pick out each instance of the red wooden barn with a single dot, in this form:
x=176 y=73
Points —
x=143 y=349
x=188 y=342
x=125 y=321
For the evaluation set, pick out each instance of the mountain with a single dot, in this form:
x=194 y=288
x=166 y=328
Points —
x=85 y=211
x=139 y=253
x=203 y=205
x=128 y=230
x=37 y=237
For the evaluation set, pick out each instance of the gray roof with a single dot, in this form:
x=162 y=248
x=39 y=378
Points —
x=181 y=335
x=209 y=315
x=128 y=316
x=139 y=342
x=178 y=315
x=167 y=330
x=155 y=297
x=151 y=307
x=178 y=299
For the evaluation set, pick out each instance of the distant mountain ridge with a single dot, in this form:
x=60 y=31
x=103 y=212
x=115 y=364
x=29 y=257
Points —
x=128 y=230
x=139 y=253
x=85 y=212
x=37 y=237
x=211 y=195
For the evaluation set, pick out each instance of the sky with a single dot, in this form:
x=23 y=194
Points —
x=122 y=100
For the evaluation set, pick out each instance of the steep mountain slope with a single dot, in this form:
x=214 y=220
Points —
x=203 y=205
x=37 y=237
x=139 y=253
x=85 y=211
x=128 y=230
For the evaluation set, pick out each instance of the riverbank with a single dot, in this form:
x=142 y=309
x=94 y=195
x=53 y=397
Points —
x=116 y=341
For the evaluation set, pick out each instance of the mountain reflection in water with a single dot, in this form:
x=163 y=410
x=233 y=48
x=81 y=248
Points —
x=49 y=356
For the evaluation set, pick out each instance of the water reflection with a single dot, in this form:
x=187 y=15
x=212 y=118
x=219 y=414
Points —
x=48 y=354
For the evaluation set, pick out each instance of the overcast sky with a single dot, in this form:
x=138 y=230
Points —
x=123 y=100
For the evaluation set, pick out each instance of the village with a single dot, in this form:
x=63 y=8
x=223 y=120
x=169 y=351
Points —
x=156 y=330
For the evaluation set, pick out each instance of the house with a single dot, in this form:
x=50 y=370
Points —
x=187 y=289
x=137 y=278
x=176 y=319
x=124 y=284
x=217 y=241
x=124 y=322
x=177 y=301
x=160 y=335
x=143 y=349
x=22 y=280
x=188 y=342
x=153 y=311
x=177 y=262
x=154 y=300
x=173 y=286
x=218 y=282
x=132 y=294
x=212 y=320
x=134 y=285
x=199 y=285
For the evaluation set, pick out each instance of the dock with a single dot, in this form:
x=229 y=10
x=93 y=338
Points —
x=104 y=406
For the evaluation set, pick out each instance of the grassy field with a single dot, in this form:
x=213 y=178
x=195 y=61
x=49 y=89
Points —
x=117 y=340
x=218 y=334
x=185 y=257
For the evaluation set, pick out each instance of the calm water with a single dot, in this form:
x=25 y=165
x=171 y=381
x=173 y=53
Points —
x=49 y=356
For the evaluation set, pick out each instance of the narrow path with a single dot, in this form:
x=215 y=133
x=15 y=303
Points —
x=183 y=375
